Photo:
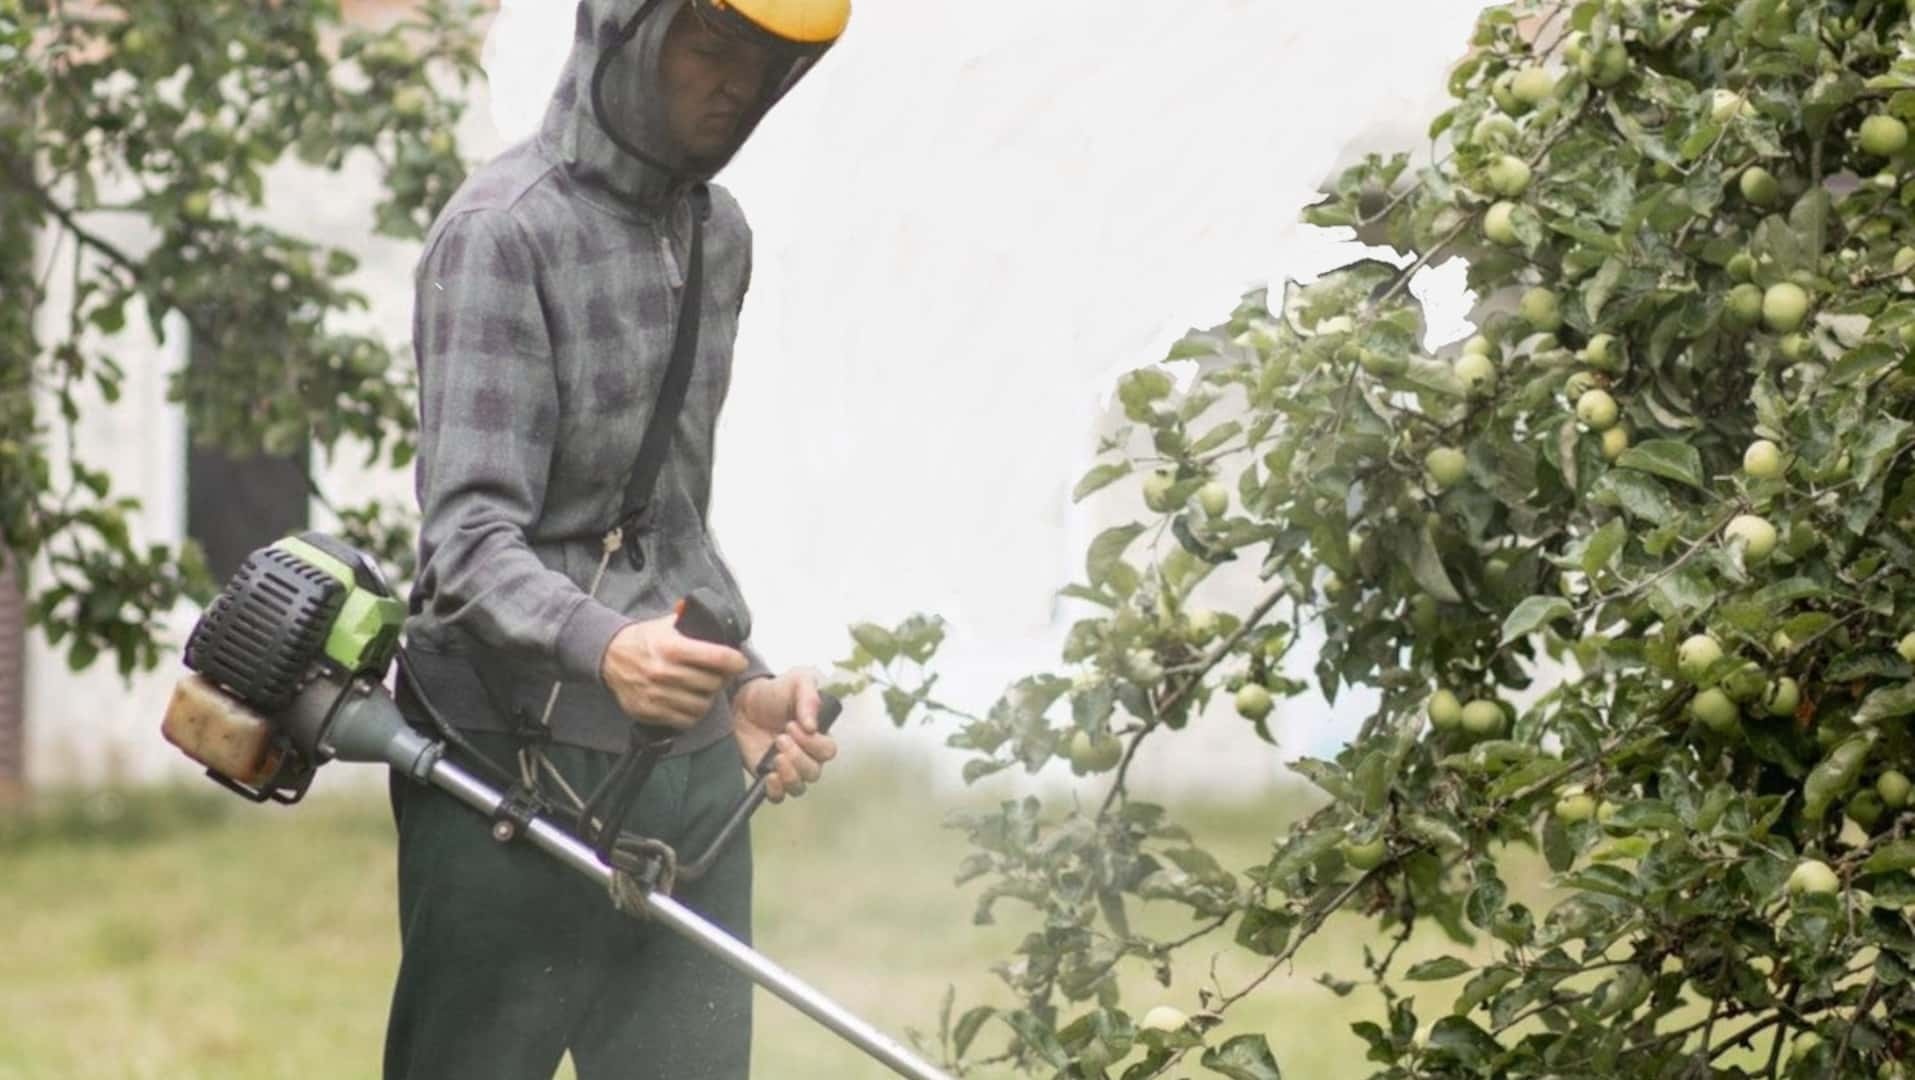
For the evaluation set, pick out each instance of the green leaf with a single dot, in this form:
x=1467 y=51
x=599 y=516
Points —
x=1100 y=477
x=1426 y=566
x=1461 y=1039
x=1666 y=458
x=1603 y=545
x=968 y=1027
x=1887 y=703
x=1246 y=1057
x=1601 y=288
x=1107 y=551
x=1443 y=967
x=1892 y=856
x=1533 y=613
x=876 y=640
x=1037 y=1035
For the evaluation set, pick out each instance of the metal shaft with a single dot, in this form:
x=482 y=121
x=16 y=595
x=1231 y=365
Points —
x=570 y=850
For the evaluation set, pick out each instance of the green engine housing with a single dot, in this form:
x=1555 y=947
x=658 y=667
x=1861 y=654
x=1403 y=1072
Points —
x=366 y=629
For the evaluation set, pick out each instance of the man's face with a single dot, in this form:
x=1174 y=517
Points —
x=709 y=82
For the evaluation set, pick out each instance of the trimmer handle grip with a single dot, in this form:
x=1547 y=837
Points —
x=706 y=616
x=829 y=708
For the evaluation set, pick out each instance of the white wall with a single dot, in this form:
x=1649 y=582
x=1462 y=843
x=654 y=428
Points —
x=969 y=221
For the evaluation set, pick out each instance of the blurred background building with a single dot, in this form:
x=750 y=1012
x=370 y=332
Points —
x=968 y=223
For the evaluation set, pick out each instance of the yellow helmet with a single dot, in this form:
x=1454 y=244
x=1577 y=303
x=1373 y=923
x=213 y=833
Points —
x=796 y=22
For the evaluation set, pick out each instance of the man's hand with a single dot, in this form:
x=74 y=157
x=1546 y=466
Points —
x=783 y=711
x=660 y=676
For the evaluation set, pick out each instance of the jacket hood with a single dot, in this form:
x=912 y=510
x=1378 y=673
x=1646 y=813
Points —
x=607 y=121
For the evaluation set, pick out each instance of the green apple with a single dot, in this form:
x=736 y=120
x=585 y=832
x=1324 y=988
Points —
x=1495 y=130
x=1499 y=224
x=1482 y=717
x=1157 y=489
x=1366 y=855
x=1883 y=136
x=1865 y=808
x=1745 y=684
x=1602 y=353
x=1095 y=753
x=1477 y=373
x=1425 y=616
x=1483 y=346
x=1906 y=647
x=1495 y=572
x=1696 y=655
x=1214 y=497
x=1542 y=310
x=1762 y=460
x=1813 y=876
x=1503 y=90
x=410 y=102
x=1741 y=266
x=1726 y=105
x=1605 y=67
x=1533 y=86
x=1447 y=466
x=1508 y=176
x=1714 y=710
x=441 y=143
x=1797 y=347
x=1254 y=702
x=1783 y=696
x=1202 y=625
x=1573 y=805
x=1578 y=384
x=197 y=206
x=1759 y=187
x=1164 y=1018
x=1597 y=409
x=1784 y=307
x=1143 y=666
x=1742 y=308
x=1614 y=442
x=1893 y=787
x=1754 y=533
x=1444 y=710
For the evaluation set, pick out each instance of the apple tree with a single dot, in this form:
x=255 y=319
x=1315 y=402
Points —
x=166 y=114
x=1629 y=571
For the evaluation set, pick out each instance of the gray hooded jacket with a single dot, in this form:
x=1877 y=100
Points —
x=547 y=298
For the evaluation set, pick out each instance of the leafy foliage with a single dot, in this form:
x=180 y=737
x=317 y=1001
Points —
x=171 y=113
x=1689 y=224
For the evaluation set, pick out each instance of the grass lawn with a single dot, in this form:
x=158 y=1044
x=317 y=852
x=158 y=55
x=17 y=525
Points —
x=187 y=935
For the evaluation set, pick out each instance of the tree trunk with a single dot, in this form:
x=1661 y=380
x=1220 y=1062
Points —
x=13 y=643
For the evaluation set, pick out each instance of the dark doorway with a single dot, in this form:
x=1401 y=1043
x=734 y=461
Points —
x=234 y=506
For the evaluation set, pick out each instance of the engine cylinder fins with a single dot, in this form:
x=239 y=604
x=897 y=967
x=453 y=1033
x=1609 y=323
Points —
x=266 y=631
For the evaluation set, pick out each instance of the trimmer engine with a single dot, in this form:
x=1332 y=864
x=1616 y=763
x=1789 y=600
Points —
x=303 y=628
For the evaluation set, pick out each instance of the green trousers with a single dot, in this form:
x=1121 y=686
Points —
x=509 y=959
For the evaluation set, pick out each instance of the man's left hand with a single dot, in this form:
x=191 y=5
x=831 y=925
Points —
x=782 y=711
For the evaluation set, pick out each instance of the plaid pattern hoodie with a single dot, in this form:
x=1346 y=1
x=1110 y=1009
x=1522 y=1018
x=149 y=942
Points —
x=547 y=298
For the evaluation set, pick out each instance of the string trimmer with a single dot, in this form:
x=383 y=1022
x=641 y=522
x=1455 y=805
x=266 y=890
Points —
x=289 y=665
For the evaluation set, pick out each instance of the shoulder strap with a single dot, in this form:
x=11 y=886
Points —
x=671 y=396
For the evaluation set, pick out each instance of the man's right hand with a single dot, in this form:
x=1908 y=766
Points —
x=660 y=676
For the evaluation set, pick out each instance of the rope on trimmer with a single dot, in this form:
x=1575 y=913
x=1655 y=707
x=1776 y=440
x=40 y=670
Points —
x=628 y=892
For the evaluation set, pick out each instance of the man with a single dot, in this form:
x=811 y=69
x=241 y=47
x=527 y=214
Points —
x=548 y=305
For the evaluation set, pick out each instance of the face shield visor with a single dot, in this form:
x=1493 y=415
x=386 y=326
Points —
x=685 y=82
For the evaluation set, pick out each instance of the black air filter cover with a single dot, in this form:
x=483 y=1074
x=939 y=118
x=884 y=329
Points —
x=267 y=629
